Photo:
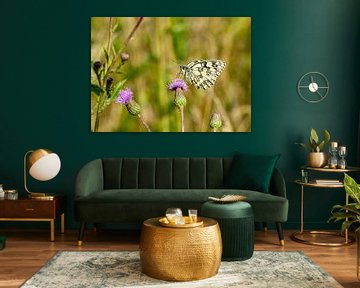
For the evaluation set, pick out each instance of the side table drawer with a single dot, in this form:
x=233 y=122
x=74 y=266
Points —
x=30 y=209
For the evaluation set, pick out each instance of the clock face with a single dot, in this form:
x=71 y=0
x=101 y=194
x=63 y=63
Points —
x=313 y=87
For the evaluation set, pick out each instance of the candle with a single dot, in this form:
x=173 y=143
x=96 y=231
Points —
x=333 y=144
x=342 y=149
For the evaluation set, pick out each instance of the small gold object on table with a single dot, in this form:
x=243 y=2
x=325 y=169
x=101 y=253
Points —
x=188 y=223
x=172 y=254
x=228 y=198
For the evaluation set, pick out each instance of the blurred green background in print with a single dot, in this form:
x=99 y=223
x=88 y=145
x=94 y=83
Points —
x=150 y=61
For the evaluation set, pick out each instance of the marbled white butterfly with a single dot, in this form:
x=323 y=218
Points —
x=202 y=73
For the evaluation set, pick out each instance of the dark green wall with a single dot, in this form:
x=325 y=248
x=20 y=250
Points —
x=45 y=70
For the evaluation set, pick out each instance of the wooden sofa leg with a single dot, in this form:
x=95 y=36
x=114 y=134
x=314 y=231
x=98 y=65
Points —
x=280 y=233
x=265 y=227
x=81 y=233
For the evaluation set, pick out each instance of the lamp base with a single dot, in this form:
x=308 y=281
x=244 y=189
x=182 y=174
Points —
x=41 y=196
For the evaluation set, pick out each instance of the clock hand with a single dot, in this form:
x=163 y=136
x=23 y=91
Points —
x=321 y=96
x=313 y=87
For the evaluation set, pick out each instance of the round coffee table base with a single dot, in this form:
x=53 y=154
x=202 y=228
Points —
x=180 y=254
x=296 y=237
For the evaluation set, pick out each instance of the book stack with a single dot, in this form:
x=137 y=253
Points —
x=328 y=181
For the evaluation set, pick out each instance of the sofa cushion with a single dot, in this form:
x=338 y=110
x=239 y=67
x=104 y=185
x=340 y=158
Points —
x=251 y=172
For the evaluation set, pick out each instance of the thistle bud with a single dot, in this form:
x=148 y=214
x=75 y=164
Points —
x=96 y=66
x=109 y=82
x=180 y=100
x=215 y=121
x=124 y=56
x=133 y=108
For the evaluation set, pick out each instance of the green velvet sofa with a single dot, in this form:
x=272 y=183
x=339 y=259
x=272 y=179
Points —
x=130 y=190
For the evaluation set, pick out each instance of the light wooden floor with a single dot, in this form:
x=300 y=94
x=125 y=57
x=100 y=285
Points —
x=28 y=250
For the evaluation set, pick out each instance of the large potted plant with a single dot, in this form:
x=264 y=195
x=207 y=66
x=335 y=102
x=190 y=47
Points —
x=317 y=157
x=350 y=214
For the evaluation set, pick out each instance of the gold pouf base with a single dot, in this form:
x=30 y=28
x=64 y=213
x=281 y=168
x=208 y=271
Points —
x=185 y=254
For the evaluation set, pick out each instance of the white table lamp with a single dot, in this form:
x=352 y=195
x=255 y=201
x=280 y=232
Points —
x=43 y=165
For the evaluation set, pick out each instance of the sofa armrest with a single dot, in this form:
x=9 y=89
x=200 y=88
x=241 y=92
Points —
x=89 y=179
x=277 y=184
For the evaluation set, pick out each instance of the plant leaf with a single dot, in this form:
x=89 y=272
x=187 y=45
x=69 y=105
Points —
x=96 y=89
x=306 y=146
x=352 y=207
x=326 y=136
x=116 y=89
x=346 y=225
x=314 y=136
x=352 y=188
x=106 y=55
x=321 y=146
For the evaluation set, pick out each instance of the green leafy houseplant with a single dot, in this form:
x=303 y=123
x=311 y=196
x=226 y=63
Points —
x=314 y=144
x=349 y=214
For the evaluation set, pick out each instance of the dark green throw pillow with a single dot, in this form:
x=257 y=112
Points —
x=251 y=172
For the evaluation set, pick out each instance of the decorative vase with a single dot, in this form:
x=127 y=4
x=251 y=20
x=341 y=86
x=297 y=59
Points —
x=317 y=159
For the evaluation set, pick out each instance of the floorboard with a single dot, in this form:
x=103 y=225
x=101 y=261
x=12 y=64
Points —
x=28 y=250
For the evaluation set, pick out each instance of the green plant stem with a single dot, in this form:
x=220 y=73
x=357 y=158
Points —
x=99 y=106
x=98 y=79
x=214 y=130
x=137 y=24
x=182 y=119
x=97 y=119
x=110 y=36
x=118 y=55
x=144 y=123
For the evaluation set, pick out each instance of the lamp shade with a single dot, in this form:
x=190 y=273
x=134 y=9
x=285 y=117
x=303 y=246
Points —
x=43 y=164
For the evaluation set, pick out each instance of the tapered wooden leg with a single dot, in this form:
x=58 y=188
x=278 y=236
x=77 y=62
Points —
x=265 y=227
x=63 y=223
x=81 y=233
x=280 y=233
x=52 y=230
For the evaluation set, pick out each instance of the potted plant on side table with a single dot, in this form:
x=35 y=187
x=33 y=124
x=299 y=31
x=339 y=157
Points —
x=350 y=214
x=317 y=157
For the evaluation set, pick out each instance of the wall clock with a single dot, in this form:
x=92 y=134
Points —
x=313 y=87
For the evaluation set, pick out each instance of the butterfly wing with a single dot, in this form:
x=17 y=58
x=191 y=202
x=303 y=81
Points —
x=203 y=73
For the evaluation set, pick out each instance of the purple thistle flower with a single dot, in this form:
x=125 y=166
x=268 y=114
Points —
x=177 y=84
x=125 y=96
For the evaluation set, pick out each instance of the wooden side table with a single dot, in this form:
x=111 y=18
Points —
x=27 y=209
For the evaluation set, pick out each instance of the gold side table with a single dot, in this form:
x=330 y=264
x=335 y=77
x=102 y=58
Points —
x=297 y=235
x=180 y=254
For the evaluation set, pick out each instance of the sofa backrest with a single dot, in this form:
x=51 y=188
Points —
x=165 y=173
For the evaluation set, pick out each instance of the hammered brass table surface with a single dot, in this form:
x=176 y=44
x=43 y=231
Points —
x=180 y=254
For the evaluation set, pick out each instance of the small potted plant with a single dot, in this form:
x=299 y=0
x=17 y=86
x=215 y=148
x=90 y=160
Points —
x=350 y=213
x=317 y=157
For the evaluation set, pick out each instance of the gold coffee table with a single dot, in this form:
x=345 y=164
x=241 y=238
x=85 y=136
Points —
x=180 y=254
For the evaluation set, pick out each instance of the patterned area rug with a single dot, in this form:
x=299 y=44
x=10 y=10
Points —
x=122 y=269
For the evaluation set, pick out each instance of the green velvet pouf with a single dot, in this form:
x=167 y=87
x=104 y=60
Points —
x=236 y=221
x=2 y=242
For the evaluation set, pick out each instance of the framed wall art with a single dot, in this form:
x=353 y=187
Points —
x=171 y=74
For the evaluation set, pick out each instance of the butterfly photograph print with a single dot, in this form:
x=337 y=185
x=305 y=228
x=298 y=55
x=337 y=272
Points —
x=170 y=74
x=202 y=73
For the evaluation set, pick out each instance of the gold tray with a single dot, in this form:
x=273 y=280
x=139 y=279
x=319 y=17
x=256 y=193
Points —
x=165 y=222
x=228 y=198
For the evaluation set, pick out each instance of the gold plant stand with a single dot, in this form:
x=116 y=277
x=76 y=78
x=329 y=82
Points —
x=298 y=236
